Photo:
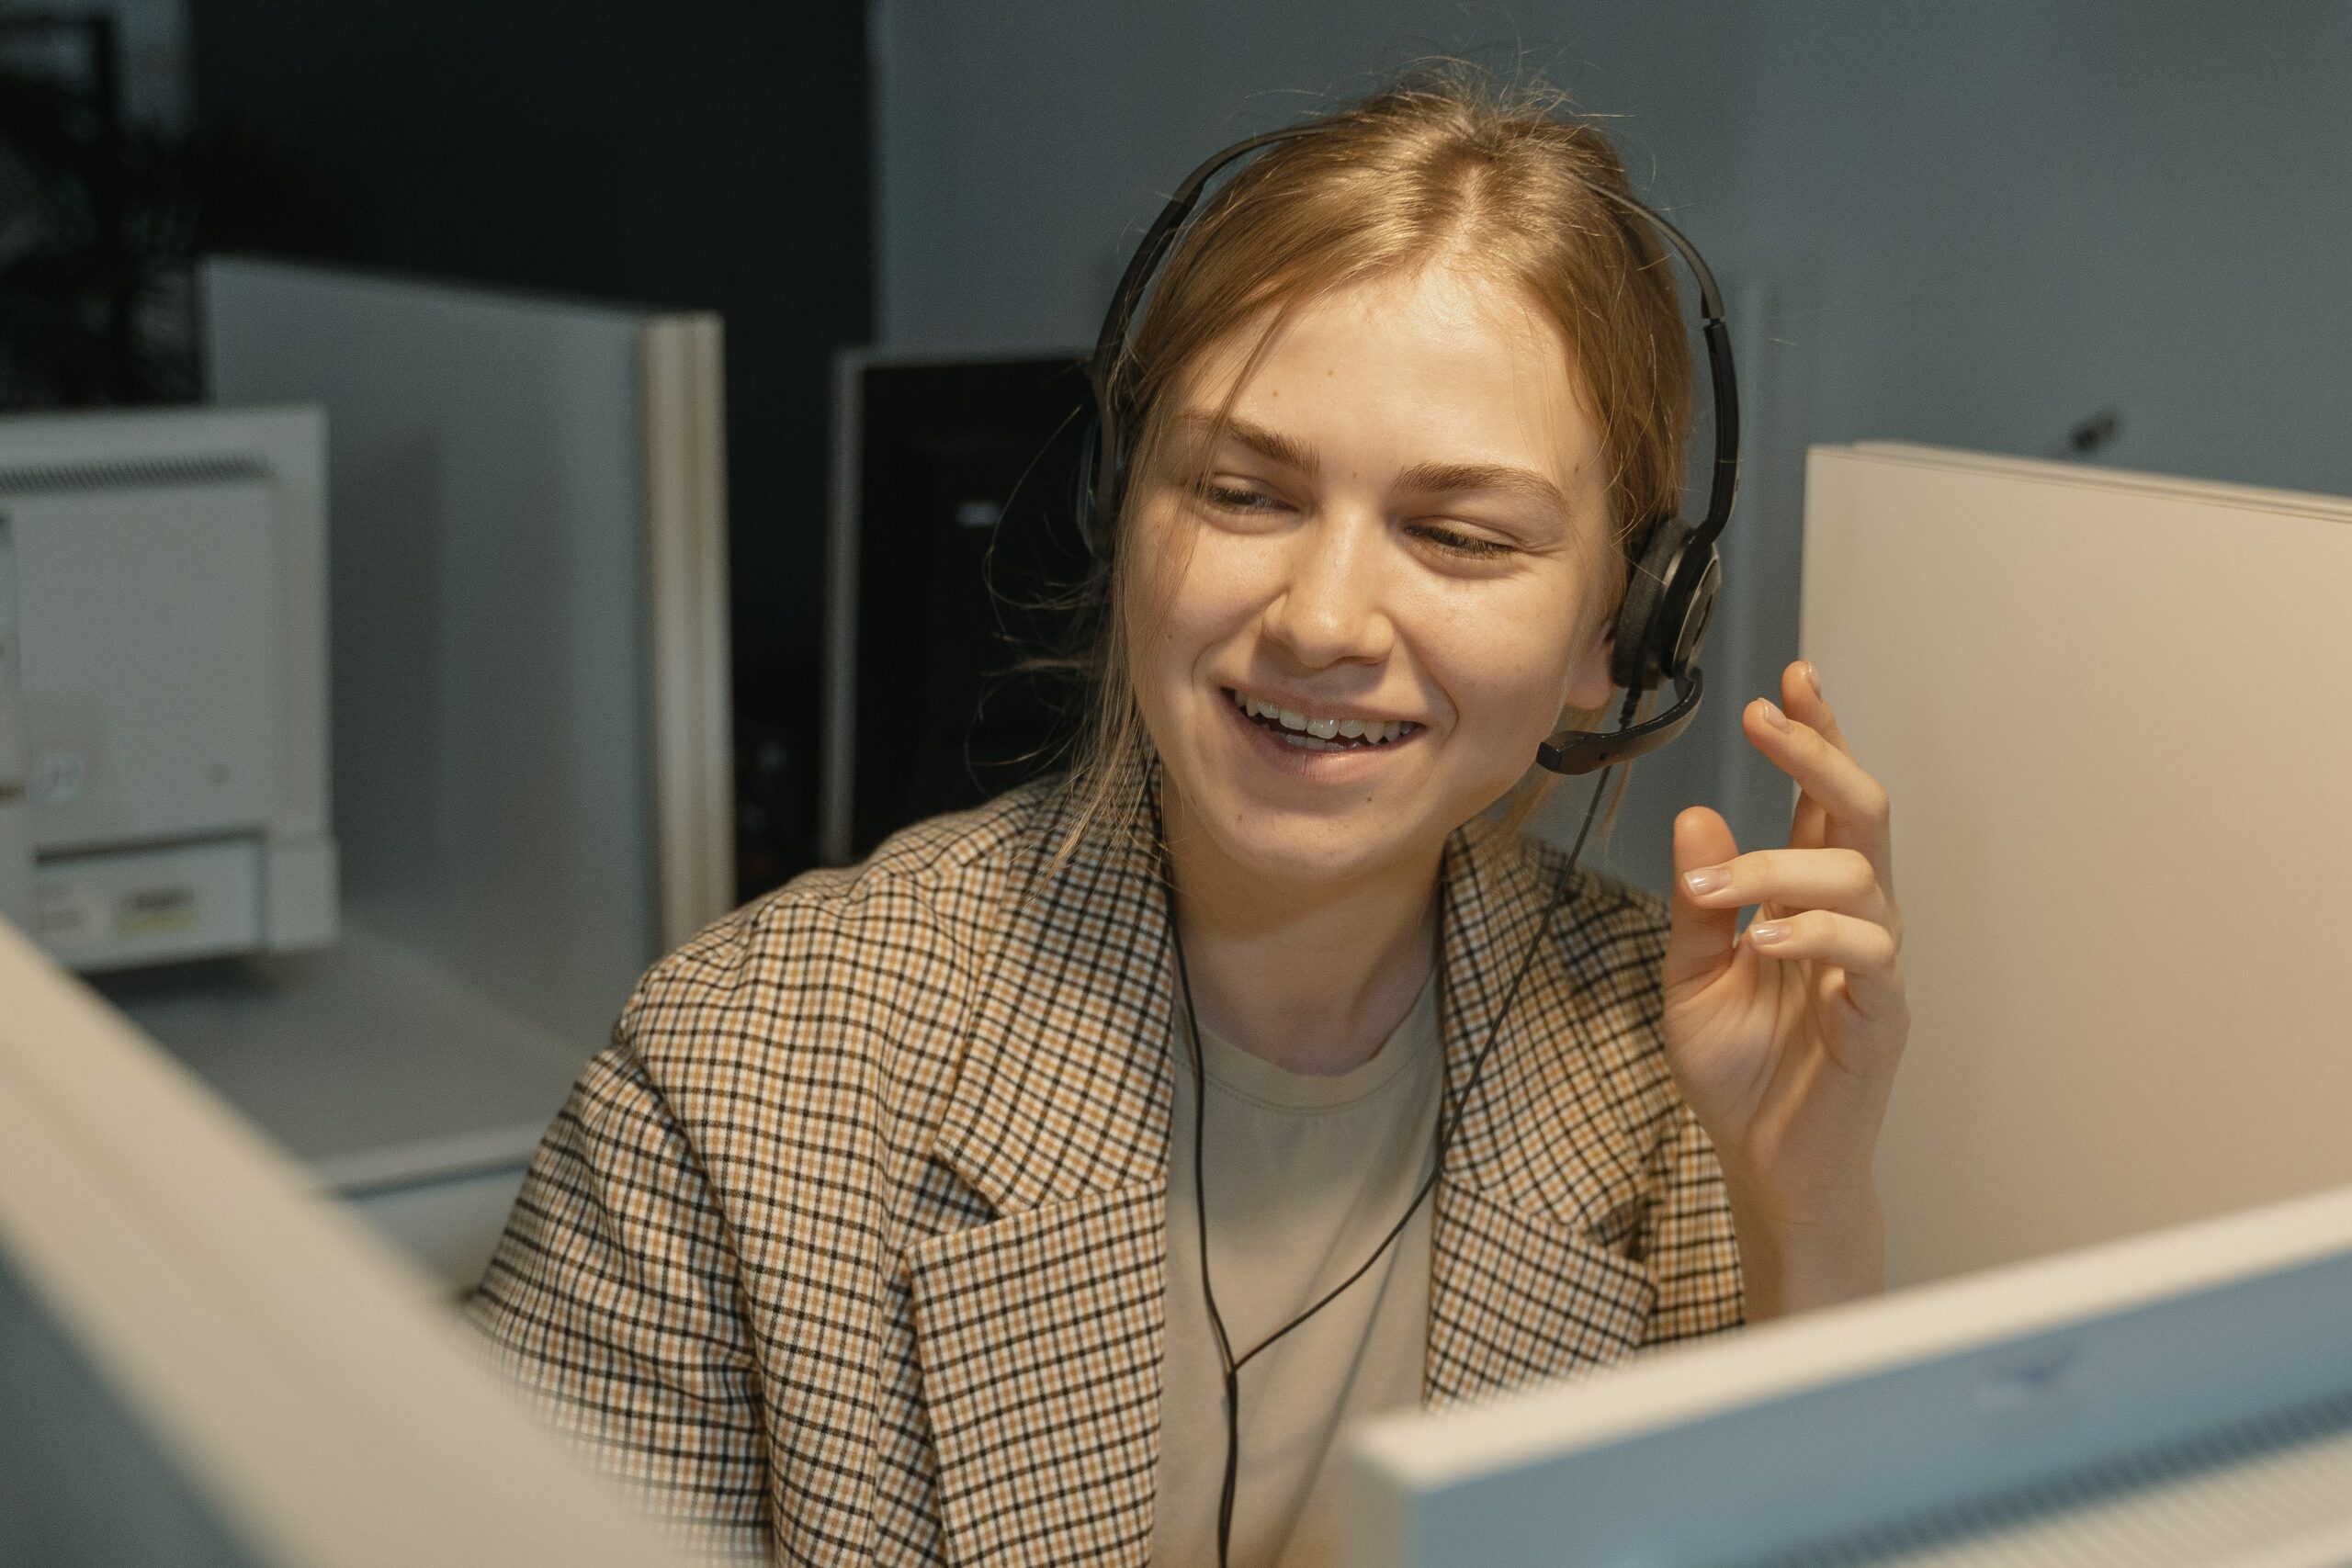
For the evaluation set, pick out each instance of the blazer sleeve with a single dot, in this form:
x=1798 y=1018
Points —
x=1693 y=1255
x=613 y=1299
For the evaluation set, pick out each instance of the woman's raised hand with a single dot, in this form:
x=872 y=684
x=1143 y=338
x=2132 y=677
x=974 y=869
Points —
x=1784 y=1040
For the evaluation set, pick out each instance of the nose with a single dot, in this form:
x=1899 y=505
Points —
x=1330 y=608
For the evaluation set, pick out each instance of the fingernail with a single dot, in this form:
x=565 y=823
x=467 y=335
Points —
x=1707 y=879
x=1813 y=677
x=1774 y=716
x=1766 y=932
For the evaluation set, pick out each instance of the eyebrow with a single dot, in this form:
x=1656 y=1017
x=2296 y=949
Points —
x=1422 y=478
x=1269 y=443
x=1442 y=479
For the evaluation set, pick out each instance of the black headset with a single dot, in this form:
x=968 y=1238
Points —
x=1671 y=596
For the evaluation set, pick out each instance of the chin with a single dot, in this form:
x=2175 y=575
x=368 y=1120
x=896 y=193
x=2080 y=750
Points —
x=1292 y=843
x=1308 y=851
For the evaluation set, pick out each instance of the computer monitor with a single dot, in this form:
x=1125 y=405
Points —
x=201 y=1362
x=2182 y=1397
x=952 y=542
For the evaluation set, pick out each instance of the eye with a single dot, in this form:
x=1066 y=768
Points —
x=1228 y=499
x=1453 y=543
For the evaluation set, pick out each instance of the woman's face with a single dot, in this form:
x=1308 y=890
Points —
x=1400 y=542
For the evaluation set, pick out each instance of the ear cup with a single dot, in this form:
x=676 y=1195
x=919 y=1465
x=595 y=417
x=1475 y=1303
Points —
x=1637 y=660
x=1668 y=607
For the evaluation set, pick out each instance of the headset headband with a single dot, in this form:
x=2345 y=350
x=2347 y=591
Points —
x=1723 y=387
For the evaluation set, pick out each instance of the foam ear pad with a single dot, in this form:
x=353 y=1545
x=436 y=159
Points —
x=1644 y=644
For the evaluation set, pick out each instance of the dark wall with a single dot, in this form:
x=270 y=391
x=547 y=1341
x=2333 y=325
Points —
x=704 y=154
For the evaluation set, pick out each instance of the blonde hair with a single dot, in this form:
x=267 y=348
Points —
x=1444 y=166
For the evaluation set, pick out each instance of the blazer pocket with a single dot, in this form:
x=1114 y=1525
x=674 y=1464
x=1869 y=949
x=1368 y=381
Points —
x=1039 y=1338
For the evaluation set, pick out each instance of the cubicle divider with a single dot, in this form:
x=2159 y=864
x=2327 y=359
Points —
x=2111 y=712
x=532 y=774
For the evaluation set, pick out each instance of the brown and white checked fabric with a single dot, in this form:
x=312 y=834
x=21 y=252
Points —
x=851 y=1246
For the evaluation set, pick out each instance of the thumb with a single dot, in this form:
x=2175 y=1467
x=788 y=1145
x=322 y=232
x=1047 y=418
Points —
x=1702 y=936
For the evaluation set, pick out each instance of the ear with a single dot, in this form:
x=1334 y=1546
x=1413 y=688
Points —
x=1590 y=686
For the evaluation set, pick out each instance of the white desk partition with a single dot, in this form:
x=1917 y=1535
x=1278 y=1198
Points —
x=209 y=1365
x=532 y=751
x=2114 y=713
x=528 y=583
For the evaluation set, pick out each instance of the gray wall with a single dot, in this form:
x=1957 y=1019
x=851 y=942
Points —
x=1972 y=225
x=2014 y=213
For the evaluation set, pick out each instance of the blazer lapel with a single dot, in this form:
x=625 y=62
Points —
x=1040 y=1332
x=1527 y=1276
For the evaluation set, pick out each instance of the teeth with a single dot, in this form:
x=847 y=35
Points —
x=1307 y=732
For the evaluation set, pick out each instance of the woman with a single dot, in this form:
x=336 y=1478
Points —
x=877 y=1234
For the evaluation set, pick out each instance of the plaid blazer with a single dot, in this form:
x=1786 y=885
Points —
x=851 y=1246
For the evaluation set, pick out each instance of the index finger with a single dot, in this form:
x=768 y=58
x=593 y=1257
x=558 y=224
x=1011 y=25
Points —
x=1800 y=699
x=1801 y=692
x=1838 y=793
x=1830 y=777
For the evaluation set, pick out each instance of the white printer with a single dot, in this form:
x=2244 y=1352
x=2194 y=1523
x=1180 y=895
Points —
x=164 y=684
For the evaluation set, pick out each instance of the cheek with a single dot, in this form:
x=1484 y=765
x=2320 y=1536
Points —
x=1215 y=584
x=1505 y=671
x=1185 y=601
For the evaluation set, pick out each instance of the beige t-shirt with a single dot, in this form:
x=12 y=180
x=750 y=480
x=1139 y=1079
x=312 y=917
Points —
x=1305 y=1175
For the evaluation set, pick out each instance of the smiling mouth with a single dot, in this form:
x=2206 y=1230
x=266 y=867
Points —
x=1313 y=733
